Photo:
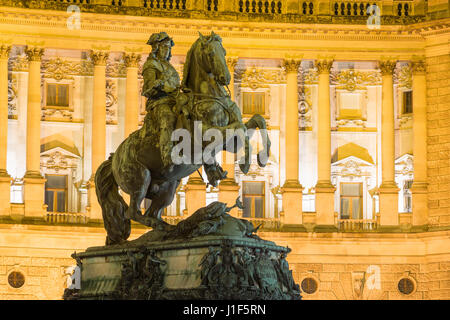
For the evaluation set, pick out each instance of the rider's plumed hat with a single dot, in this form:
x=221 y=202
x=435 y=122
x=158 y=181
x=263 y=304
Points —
x=159 y=37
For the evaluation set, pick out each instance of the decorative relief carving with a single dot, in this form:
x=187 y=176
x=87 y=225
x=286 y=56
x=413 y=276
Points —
x=57 y=161
x=18 y=63
x=403 y=76
x=304 y=99
x=387 y=66
x=351 y=169
x=352 y=80
x=231 y=63
x=12 y=98
x=116 y=68
x=310 y=76
x=304 y=110
x=34 y=53
x=59 y=69
x=4 y=51
x=51 y=114
x=255 y=78
x=405 y=166
x=111 y=102
x=406 y=122
x=351 y=123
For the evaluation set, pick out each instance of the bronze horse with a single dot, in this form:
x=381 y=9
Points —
x=136 y=166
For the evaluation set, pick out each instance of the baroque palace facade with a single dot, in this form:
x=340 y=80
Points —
x=357 y=99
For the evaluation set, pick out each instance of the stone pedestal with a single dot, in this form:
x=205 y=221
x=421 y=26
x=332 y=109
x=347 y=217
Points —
x=228 y=193
x=292 y=202
x=325 y=206
x=419 y=204
x=195 y=193
x=94 y=209
x=34 y=196
x=209 y=255
x=388 y=204
x=5 y=194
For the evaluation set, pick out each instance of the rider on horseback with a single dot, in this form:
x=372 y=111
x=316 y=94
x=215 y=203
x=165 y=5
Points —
x=161 y=87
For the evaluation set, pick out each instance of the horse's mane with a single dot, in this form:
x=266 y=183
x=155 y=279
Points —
x=188 y=62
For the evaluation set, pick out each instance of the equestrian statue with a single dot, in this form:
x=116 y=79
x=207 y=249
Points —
x=143 y=165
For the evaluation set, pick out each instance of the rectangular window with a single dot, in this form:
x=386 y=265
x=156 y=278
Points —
x=56 y=193
x=253 y=195
x=57 y=95
x=407 y=102
x=253 y=103
x=351 y=201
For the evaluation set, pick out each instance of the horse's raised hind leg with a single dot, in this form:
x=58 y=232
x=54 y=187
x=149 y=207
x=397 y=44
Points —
x=164 y=198
x=136 y=197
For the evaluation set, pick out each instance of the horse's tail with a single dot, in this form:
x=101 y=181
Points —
x=113 y=206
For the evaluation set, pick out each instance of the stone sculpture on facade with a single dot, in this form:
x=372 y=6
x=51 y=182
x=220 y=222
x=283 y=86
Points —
x=210 y=254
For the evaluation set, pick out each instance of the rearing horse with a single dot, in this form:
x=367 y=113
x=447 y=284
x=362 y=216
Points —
x=136 y=166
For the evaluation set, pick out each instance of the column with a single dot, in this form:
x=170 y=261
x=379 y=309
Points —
x=324 y=189
x=34 y=183
x=132 y=93
x=99 y=59
x=419 y=187
x=388 y=188
x=292 y=189
x=195 y=193
x=5 y=179
x=228 y=188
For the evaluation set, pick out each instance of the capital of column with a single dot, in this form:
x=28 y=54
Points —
x=387 y=66
x=291 y=65
x=34 y=53
x=231 y=62
x=418 y=66
x=131 y=59
x=4 y=51
x=324 y=65
x=99 y=58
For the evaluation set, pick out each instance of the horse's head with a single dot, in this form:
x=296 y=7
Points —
x=213 y=58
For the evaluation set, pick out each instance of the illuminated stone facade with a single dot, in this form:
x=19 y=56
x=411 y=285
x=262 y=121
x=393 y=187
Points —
x=358 y=110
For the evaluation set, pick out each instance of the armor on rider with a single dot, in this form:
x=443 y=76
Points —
x=161 y=87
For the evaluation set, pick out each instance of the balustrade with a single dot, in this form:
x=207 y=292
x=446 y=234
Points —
x=345 y=225
x=66 y=217
x=166 y=4
x=261 y=7
x=352 y=8
x=307 y=8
